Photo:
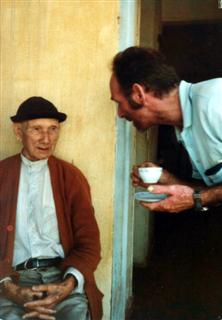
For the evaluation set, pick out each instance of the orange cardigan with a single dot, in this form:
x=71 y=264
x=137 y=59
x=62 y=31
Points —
x=78 y=229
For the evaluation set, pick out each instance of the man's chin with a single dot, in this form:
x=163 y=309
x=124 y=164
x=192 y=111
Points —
x=140 y=128
x=42 y=156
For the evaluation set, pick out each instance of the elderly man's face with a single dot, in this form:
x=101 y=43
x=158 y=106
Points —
x=38 y=136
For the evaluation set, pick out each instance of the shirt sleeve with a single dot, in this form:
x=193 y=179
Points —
x=5 y=279
x=79 y=277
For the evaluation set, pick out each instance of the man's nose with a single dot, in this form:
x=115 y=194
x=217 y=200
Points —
x=45 y=137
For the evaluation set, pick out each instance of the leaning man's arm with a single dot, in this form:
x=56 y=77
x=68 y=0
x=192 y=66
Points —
x=212 y=195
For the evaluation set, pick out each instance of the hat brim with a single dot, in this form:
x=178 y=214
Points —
x=58 y=116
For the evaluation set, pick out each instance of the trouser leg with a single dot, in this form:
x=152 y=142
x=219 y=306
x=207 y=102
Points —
x=73 y=307
x=10 y=310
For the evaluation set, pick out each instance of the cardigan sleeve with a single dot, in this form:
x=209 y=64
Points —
x=9 y=180
x=78 y=227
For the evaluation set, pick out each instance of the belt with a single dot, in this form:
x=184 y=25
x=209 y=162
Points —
x=35 y=263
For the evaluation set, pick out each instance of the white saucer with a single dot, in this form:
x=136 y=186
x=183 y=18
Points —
x=149 y=196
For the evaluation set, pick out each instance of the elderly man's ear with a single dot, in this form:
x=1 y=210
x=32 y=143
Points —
x=17 y=131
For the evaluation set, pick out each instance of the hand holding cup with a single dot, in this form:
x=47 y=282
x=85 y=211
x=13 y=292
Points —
x=150 y=174
x=137 y=180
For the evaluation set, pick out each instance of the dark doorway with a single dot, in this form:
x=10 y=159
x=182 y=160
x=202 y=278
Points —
x=194 y=49
x=183 y=279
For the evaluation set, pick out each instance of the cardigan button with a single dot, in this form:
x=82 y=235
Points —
x=10 y=228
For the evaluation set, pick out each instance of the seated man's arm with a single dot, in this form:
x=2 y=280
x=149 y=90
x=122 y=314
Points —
x=81 y=242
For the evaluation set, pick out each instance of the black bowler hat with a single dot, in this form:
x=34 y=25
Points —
x=35 y=108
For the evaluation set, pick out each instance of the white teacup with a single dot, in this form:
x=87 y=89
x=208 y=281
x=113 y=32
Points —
x=150 y=174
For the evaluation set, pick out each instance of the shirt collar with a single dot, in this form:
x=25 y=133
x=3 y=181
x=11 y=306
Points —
x=34 y=165
x=185 y=95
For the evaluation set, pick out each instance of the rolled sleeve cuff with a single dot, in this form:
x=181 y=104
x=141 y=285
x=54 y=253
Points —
x=5 y=279
x=79 y=277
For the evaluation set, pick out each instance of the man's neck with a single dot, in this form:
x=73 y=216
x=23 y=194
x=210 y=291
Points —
x=170 y=109
x=25 y=158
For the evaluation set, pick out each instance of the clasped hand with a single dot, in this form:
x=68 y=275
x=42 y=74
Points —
x=40 y=301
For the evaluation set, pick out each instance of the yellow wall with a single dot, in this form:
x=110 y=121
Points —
x=61 y=50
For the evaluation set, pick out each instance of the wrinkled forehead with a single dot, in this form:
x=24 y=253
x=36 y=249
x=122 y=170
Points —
x=41 y=122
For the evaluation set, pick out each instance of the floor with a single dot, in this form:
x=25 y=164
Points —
x=183 y=279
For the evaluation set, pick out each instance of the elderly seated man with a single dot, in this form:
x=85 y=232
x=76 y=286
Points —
x=49 y=238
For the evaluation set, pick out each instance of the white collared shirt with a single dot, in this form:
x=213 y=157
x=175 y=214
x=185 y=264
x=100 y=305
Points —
x=202 y=129
x=36 y=224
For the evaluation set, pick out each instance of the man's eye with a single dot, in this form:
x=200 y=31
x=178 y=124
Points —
x=53 y=129
x=35 y=130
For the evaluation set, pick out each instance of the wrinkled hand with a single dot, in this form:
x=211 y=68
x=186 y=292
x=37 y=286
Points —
x=135 y=178
x=179 y=198
x=19 y=295
x=22 y=295
x=43 y=308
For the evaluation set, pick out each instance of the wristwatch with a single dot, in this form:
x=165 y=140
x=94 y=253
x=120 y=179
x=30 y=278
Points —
x=197 y=201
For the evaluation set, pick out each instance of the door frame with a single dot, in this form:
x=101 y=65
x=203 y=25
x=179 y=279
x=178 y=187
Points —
x=123 y=199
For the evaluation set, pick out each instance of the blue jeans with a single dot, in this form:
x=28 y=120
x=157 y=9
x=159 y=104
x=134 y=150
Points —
x=74 y=307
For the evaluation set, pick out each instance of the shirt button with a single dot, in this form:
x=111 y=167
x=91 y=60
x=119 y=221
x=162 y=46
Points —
x=10 y=228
